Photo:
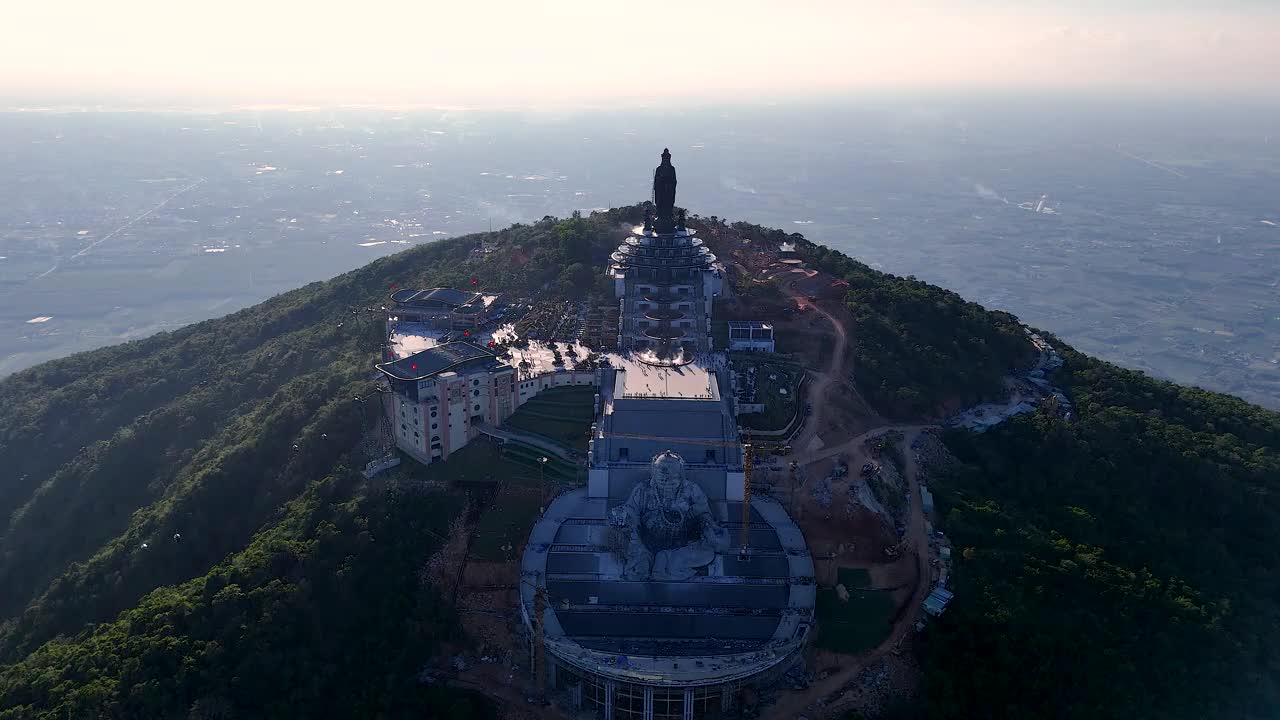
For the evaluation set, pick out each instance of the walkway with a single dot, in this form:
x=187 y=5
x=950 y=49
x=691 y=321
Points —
x=537 y=441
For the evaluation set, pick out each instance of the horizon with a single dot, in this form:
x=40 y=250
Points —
x=147 y=54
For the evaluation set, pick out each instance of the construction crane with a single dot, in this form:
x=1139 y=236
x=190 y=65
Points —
x=748 y=462
x=539 y=641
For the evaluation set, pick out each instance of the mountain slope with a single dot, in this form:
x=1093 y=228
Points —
x=182 y=532
x=1118 y=566
x=193 y=432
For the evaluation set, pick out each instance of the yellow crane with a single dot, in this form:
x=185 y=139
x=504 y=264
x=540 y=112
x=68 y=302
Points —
x=748 y=462
x=539 y=640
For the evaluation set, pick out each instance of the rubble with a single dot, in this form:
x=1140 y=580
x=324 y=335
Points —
x=822 y=493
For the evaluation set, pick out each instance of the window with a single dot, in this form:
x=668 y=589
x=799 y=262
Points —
x=475 y=393
x=434 y=438
x=434 y=426
x=628 y=702
x=433 y=413
x=668 y=704
x=415 y=434
x=477 y=407
x=624 y=454
x=475 y=382
x=706 y=701
x=711 y=455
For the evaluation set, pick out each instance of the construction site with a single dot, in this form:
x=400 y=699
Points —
x=631 y=550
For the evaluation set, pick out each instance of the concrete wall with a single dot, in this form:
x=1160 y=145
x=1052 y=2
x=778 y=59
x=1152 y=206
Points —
x=751 y=345
x=597 y=483
x=527 y=388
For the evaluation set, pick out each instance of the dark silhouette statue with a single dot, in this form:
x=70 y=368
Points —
x=664 y=194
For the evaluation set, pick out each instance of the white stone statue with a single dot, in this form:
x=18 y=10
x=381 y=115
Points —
x=672 y=533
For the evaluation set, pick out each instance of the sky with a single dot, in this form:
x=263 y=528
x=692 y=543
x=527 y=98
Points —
x=477 y=53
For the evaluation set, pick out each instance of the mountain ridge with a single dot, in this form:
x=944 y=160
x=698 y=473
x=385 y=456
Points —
x=192 y=488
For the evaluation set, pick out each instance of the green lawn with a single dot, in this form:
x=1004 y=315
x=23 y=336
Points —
x=511 y=516
x=857 y=625
x=853 y=578
x=778 y=408
x=507 y=522
x=556 y=471
x=563 y=415
x=479 y=461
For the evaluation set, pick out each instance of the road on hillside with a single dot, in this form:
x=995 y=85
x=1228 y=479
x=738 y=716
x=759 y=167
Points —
x=831 y=689
x=818 y=389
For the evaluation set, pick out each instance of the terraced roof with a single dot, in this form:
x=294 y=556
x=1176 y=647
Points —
x=433 y=361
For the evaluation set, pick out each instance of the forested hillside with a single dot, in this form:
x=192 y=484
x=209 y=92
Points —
x=181 y=510
x=1121 y=565
x=920 y=350
x=183 y=532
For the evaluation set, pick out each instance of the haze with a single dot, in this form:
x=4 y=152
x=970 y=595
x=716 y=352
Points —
x=401 y=52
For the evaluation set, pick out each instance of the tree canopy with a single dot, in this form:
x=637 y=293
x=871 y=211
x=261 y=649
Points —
x=1118 y=565
x=293 y=586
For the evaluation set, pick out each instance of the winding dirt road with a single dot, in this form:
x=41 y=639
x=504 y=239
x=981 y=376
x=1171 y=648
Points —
x=819 y=388
x=828 y=697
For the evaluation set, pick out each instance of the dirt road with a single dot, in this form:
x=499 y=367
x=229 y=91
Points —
x=809 y=458
x=819 y=389
x=831 y=689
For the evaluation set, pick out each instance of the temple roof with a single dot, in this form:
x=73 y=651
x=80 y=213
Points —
x=433 y=361
x=446 y=296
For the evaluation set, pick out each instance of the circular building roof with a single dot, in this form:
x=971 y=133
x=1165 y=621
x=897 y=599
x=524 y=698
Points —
x=740 y=617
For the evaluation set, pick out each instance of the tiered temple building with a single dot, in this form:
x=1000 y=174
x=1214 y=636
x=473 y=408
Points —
x=662 y=589
x=665 y=280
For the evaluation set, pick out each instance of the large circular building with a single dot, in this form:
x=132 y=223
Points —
x=633 y=627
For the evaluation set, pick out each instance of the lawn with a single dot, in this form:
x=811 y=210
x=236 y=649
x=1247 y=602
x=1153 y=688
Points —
x=853 y=578
x=778 y=408
x=562 y=415
x=556 y=471
x=479 y=461
x=857 y=625
x=507 y=522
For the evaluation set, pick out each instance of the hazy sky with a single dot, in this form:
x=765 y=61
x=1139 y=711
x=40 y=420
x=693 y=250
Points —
x=566 y=52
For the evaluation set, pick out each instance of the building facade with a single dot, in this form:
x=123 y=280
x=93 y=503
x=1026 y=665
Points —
x=683 y=635
x=440 y=398
x=750 y=336
x=443 y=308
x=646 y=409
